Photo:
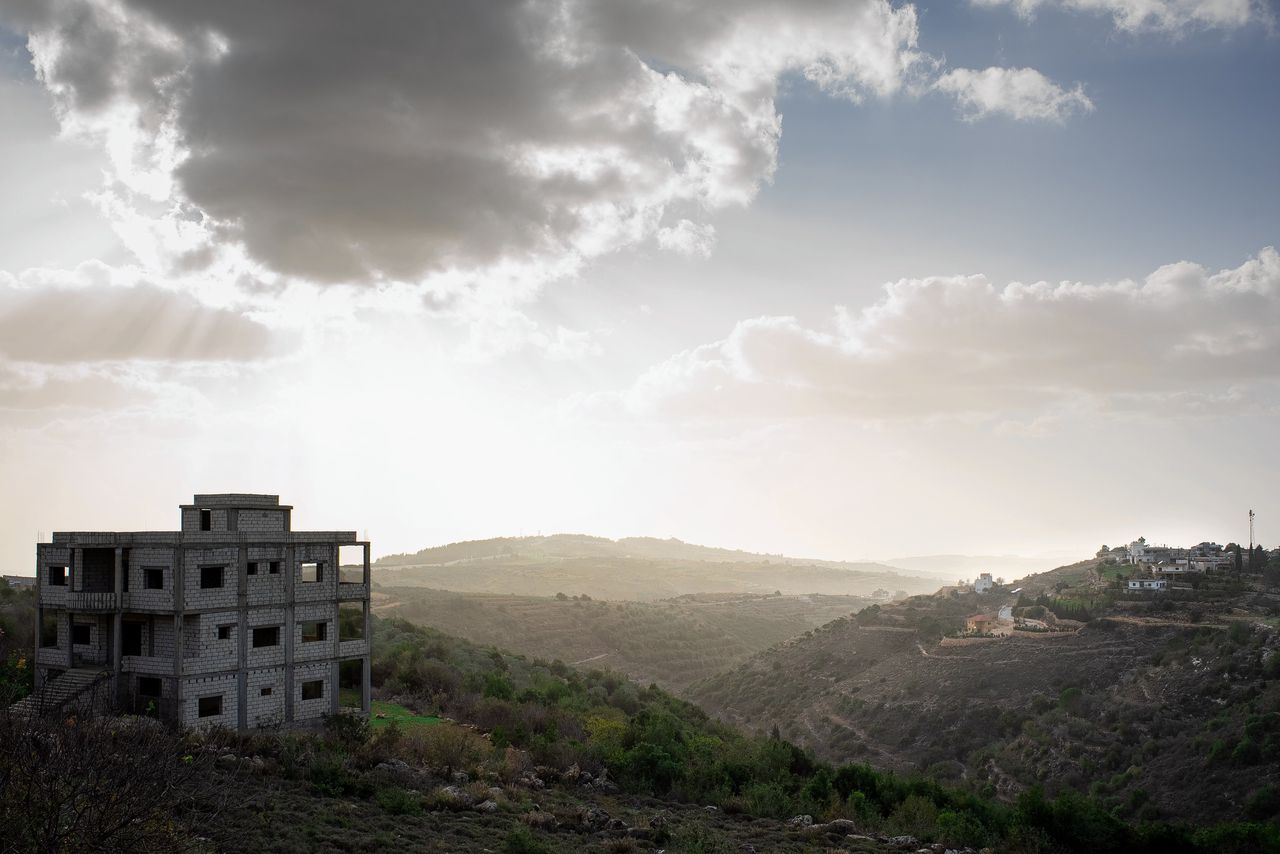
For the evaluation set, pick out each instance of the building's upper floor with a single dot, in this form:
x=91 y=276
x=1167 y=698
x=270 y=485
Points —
x=224 y=517
x=231 y=547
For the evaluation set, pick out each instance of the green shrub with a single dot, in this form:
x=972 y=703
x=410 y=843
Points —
x=916 y=816
x=329 y=776
x=1263 y=803
x=521 y=840
x=690 y=838
x=397 y=801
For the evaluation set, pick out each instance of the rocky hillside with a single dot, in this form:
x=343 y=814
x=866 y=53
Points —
x=1163 y=707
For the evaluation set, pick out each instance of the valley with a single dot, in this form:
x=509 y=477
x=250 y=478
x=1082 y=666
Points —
x=672 y=642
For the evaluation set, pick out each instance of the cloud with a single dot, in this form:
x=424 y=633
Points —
x=1163 y=15
x=389 y=141
x=82 y=316
x=947 y=345
x=1020 y=93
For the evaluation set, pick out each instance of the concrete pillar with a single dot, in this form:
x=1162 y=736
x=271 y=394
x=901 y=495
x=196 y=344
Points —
x=366 y=689
x=117 y=627
x=65 y=618
x=35 y=655
x=179 y=603
x=242 y=631
x=291 y=571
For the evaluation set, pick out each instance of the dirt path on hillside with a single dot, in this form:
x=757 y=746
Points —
x=856 y=730
x=928 y=654
x=592 y=658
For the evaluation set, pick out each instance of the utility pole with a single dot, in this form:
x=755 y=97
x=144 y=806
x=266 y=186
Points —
x=1250 y=541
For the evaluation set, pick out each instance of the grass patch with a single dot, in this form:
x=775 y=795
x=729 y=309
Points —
x=399 y=714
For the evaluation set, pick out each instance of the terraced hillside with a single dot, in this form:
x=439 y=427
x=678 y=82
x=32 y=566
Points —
x=1162 y=707
x=671 y=643
x=636 y=569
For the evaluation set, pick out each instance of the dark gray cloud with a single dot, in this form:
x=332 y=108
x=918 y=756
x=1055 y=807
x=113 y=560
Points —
x=66 y=325
x=387 y=139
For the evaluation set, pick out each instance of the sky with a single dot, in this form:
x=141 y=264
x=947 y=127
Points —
x=833 y=278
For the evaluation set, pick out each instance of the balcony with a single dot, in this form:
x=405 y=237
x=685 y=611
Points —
x=348 y=591
x=92 y=602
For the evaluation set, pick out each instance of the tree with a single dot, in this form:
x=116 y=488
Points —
x=70 y=783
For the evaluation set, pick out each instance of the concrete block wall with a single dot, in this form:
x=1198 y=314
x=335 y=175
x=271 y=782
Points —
x=57 y=655
x=265 y=588
x=353 y=648
x=225 y=596
x=165 y=642
x=264 y=709
x=327 y=586
x=46 y=556
x=141 y=560
x=202 y=650
x=191 y=520
x=310 y=709
x=324 y=612
x=190 y=638
x=261 y=521
x=204 y=686
x=265 y=656
x=95 y=651
x=158 y=648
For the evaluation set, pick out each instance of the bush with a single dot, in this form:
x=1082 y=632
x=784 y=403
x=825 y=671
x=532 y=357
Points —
x=347 y=730
x=1263 y=803
x=397 y=801
x=692 y=838
x=328 y=775
x=521 y=840
x=916 y=816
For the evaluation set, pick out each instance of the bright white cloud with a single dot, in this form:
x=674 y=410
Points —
x=384 y=141
x=1020 y=93
x=961 y=344
x=1164 y=15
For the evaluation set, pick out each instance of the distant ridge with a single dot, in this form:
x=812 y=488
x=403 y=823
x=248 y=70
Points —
x=954 y=565
x=577 y=546
x=633 y=568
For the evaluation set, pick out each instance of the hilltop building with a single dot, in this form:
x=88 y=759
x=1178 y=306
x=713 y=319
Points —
x=235 y=619
x=1203 y=557
x=984 y=583
x=979 y=624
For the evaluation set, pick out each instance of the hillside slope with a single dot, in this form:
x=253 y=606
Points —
x=671 y=643
x=1162 y=708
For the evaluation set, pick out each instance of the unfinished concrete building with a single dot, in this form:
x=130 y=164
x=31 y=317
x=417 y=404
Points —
x=236 y=619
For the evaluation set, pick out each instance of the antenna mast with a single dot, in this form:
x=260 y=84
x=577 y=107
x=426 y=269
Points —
x=1251 y=541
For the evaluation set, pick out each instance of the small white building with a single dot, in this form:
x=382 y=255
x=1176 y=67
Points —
x=984 y=583
x=1148 y=584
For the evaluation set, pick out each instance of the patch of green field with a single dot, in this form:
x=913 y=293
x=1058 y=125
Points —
x=399 y=714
